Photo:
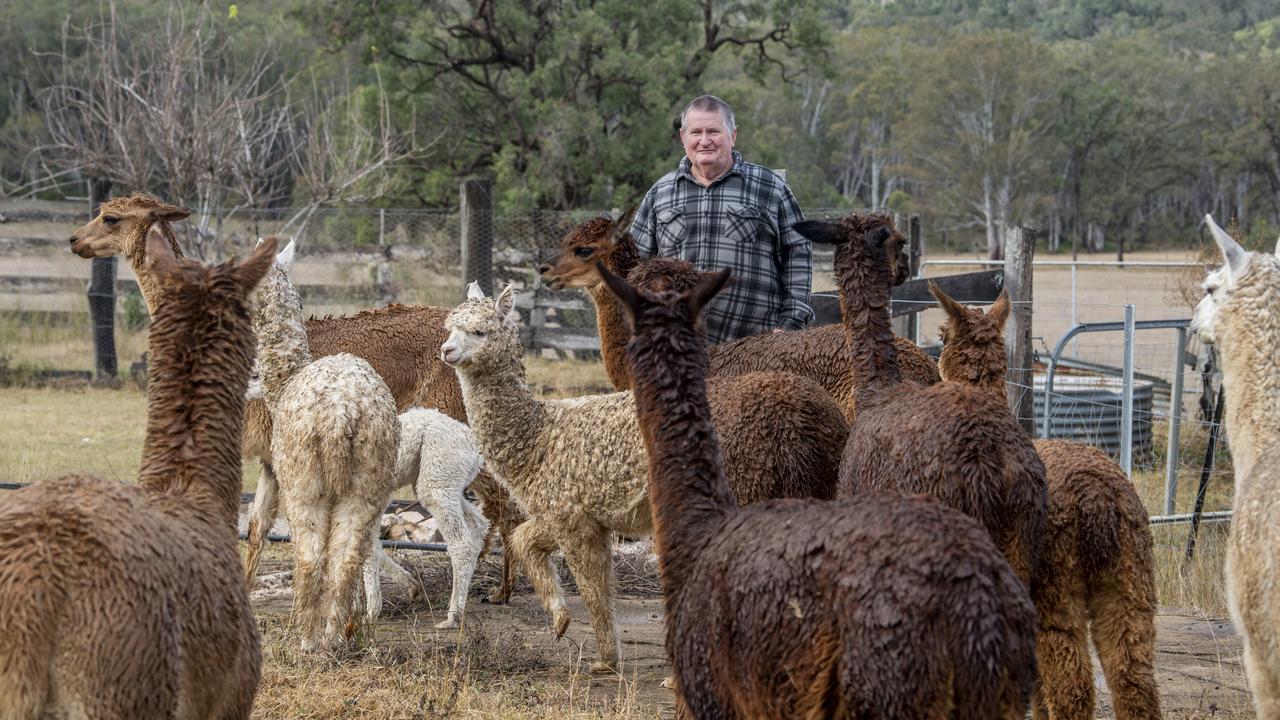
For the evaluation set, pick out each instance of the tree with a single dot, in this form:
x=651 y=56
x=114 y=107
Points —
x=566 y=103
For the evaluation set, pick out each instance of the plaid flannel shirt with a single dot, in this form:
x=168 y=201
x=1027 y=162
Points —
x=741 y=221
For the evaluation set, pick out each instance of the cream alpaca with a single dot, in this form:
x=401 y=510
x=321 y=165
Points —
x=334 y=439
x=124 y=601
x=437 y=456
x=577 y=466
x=1240 y=314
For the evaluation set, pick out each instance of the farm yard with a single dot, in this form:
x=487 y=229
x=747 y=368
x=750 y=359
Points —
x=505 y=662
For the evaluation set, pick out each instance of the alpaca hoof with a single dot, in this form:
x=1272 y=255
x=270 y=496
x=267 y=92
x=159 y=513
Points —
x=600 y=667
x=498 y=597
x=448 y=624
x=561 y=623
x=669 y=682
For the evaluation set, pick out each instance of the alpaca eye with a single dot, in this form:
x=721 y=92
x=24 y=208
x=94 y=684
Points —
x=111 y=220
x=479 y=333
x=583 y=252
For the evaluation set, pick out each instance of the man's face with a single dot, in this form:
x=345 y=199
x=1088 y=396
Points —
x=706 y=143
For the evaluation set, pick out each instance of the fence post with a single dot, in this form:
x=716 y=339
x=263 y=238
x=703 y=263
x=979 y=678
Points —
x=477 y=233
x=102 y=296
x=1175 y=424
x=1206 y=471
x=1126 y=402
x=1019 y=252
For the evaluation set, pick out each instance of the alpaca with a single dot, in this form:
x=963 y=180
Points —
x=817 y=353
x=399 y=341
x=577 y=466
x=957 y=443
x=1240 y=315
x=438 y=456
x=1097 y=569
x=334 y=433
x=124 y=601
x=877 y=607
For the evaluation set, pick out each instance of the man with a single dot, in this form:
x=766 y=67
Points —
x=716 y=211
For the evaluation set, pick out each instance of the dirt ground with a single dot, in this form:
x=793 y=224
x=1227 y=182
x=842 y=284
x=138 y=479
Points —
x=1198 y=659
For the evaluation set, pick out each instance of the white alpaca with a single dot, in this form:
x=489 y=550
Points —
x=438 y=457
x=1240 y=313
x=334 y=437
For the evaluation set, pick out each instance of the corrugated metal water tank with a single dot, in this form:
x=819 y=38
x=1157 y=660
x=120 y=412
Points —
x=1087 y=408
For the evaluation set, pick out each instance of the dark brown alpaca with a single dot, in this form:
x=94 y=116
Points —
x=125 y=601
x=876 y=607
x=959 y=444
x=817 y=353
x=1097 y=571
x=399 y=341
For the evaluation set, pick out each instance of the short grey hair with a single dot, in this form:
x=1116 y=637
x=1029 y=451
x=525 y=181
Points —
x=709 y=103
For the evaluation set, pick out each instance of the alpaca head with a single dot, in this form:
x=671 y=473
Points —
x=483 y=332
x=277 y=293
x=855 y=236
x=574 y=266
x=122 y=225
x=663 y=274
x=1240 y=268
x=675 y=316
x=973 y=350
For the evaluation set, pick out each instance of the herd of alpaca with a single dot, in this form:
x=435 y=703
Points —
x=844 y=529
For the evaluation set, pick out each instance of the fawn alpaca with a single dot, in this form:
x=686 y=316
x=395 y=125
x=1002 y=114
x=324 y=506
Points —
x=875 y=607
x=957 y=443
x=1097 y=571
x=104 y=613
x=1240 y=314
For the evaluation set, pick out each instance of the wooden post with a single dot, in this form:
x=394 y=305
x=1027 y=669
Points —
x=102 y=297
x=908 y=325
x=477 y=234
x=1019 y=251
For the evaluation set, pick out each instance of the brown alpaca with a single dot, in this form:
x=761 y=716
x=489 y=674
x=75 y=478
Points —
x=876 y=607
x=957 y=443
x=125 y=601
x=817 y=353
x=1096 y=570
x=399 y=341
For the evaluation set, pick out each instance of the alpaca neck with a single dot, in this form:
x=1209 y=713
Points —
x=1249 y=343
x=864 y=305
x=148 y=285
x=504 y=415
x=195 y=409
x=283 y=348
x=613 y=336
x=688 y=493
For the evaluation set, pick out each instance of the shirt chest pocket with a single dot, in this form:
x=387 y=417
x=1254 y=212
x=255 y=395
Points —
x=670 y=233
x=746 y=224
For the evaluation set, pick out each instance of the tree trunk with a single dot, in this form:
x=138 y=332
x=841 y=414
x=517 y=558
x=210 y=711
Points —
x=102 y=297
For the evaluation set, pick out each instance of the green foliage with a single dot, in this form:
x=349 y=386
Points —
x=133 y=311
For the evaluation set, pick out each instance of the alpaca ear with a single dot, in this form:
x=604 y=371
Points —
x=953 y=309
x=168 y=213
x=506 y=304
x=702 y=293
x=821 y=232
x=1278 y=247
x=159 y=253
x=1234 y=256
x=627 y=295
x=284 y=258
x=878 y=237
x=622 y=225
x=999 y=310
x=473 y=290
x=249 y=273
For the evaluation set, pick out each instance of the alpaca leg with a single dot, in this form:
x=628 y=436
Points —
x=531 y=545
x=261 y=517
x=372 y=581
x=348 y=553
x=1065 y=689
x=309 y=527
x=464 y=541
x=589 y=553
x=393 y=569
x=1263 y=682
x=503 y=518
x=1124 y=632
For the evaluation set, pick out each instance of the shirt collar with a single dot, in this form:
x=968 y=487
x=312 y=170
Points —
x=684 y=169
